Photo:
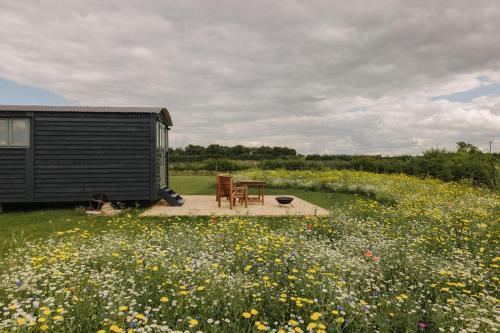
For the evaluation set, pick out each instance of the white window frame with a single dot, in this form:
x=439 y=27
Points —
x=10 y=122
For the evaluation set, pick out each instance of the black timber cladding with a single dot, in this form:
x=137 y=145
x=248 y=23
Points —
x=76 y=153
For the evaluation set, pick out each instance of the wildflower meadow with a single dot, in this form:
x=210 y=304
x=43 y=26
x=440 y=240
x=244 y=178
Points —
x=421 y=257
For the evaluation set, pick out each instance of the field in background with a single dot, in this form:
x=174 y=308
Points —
x=467 y=164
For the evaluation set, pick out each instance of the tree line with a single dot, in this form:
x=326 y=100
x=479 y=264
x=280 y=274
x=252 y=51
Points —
x=198 y=153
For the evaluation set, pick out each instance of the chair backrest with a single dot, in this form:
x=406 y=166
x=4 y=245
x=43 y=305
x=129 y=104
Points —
x=225 y=184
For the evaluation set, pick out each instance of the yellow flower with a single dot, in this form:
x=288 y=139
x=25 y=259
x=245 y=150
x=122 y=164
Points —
x=21 y=321
x=193 y=322
x=164 y=299
x=140 y=316
x=47 y=312
x=254 y=312
x=200 y=288
x=293 y=322
x=44 y=327
x=298 y=329
x=42 y=320
x=123 y=308
x=335 y=312
x=60 y=310
x=116 y=329
x=311 y=326
x=340 y=320
x=101 y=331
x=246 y=315
x=58 y=318
x=154 y=269
x=315 y=316
x=261 y=327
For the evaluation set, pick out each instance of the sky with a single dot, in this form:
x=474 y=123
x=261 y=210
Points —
x=334 y=77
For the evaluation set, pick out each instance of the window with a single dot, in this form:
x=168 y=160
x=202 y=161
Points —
x=14 y=132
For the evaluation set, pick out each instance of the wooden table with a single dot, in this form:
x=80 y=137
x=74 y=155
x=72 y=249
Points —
x=259 y=184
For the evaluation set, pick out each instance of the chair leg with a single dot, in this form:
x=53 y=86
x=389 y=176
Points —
x=231 y=202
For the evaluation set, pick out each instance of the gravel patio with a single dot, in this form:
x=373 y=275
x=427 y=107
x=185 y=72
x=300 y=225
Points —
x=205 y=205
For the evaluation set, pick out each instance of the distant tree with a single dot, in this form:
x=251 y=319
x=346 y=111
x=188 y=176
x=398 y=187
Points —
x=466 y=148
x=216 y=149
x=239 y=150
x=264 y=150
x=178 y=151
x=194 y=150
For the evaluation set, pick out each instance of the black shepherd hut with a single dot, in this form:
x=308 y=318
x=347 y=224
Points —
x=70 y=153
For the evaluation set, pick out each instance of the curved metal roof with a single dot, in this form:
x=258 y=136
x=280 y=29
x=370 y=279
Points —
x=98 y=109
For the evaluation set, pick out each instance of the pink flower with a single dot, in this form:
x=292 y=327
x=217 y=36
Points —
x=422 y=325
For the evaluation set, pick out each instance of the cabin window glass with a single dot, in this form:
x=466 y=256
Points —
x=4 y=132
x=158 y=135
x=161 y=137
x=14 y=132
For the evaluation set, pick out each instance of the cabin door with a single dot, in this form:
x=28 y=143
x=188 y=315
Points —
x=162 y=146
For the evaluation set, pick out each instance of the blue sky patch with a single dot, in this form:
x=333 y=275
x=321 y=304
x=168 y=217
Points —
x=485 y=89
x=14 y=93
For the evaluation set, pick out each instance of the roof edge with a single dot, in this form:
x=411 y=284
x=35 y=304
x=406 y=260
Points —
x=97 y=109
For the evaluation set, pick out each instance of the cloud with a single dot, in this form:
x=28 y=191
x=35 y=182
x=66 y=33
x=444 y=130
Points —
x=322 y=76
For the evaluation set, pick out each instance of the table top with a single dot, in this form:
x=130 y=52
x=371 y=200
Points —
x=251 y=182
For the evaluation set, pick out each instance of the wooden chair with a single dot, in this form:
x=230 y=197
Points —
x=217 y=184
x=226 y=189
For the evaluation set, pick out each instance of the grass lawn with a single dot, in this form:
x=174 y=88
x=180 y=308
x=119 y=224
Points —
x=205 y=185
x=17 y=227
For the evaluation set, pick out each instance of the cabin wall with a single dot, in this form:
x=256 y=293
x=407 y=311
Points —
x=12 y=175
x=77 y=154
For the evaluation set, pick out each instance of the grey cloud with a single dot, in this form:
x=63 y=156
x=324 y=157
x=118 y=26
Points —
x=322 y=76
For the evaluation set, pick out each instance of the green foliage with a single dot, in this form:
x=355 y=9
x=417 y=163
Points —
x=295 y=164
x=213 y=165
x=468 y=164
